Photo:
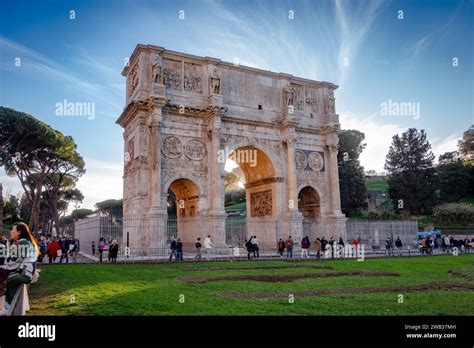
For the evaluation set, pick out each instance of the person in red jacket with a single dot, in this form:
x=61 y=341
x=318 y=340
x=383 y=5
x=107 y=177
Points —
x=52 y=250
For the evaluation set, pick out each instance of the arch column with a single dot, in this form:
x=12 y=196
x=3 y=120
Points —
x=293 y=221
x=157 y=214
x=215 y=219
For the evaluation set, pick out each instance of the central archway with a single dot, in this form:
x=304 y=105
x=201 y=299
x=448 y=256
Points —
x=184 y=220
x=259 y=218
x=309 y=204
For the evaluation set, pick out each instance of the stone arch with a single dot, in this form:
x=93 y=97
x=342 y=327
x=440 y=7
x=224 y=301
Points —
x=261 y=192
x=188 y=224
x=184 y=175
x=309 y=204
x=276 y=161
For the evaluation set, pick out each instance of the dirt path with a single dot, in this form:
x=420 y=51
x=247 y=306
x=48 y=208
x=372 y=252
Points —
x=283 y=278
x=250 y=268
x=351 y=291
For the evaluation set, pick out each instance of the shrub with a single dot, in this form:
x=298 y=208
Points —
x=454 y=213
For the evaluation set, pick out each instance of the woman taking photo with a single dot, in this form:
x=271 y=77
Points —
x=23 y=254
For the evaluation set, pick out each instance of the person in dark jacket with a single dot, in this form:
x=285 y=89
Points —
x=248 y=244
x=64 y=243
x=398 y=244
x=198 y=246
x=179 y=250
x=173 y=247
x=113 y=250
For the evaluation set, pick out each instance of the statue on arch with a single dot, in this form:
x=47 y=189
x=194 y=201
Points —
x=215 y=82
x=157 y=73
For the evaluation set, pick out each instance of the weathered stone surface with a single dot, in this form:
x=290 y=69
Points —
x=183 y=112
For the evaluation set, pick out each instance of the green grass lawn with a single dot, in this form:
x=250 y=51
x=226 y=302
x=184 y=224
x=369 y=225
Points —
x=238 y=206
x=377 y=185
x=155 y=289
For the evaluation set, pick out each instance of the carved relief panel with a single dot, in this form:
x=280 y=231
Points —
x=192 y=77
x=261 y=203
x=133 y=79
x=312 y=99
x=172 y=74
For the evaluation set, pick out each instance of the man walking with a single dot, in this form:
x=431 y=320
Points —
x=179 y=250
x=173 y=247
x=208 y=246
x=198 y=249
x=289 y=248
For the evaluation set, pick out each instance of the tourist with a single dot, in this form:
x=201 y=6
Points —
x=179 y=250
x=249 y=246
x=113 y=251
x=324 y=242
x=398 y=244
x=208 y=246
x=198 y=249
x=467 y=245
x=461 y=245
x=331 y=243
x=22 y=261
x=42 y=248
x=388 y=246
x=304 y=247
x=109 y=243
x=74 y=249
x=101 y=248
x=355 y=243
x=341 y=247
x=52 y=250
x=317 y=248
x=93 y=247
x=64 y=243
x=289 y=248
x=447 y=243
x=3 y=248
x=281 y=247
x=173 y=247
x=255 y=247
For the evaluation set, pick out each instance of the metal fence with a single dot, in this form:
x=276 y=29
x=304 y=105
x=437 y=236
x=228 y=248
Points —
x=235 y=230
x=374 y=233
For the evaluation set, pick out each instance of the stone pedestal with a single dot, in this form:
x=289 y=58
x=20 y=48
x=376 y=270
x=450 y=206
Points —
x=216 y=229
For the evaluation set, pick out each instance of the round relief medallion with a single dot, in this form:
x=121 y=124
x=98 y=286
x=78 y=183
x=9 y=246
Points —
x=172 y=147
x=315 y=161
x=195 y=150
x=301 y=160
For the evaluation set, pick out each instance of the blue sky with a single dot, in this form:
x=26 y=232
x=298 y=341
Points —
x=360 y=45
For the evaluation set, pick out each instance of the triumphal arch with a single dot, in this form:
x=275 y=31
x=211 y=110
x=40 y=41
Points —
x=185 y=115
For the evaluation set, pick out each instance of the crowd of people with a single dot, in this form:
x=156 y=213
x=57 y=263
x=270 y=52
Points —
x=110 y=246
x=320 y=246
x=445 y=244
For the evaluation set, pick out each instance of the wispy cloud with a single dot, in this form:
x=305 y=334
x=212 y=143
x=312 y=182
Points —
x=354 y=24
x=32 y=59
